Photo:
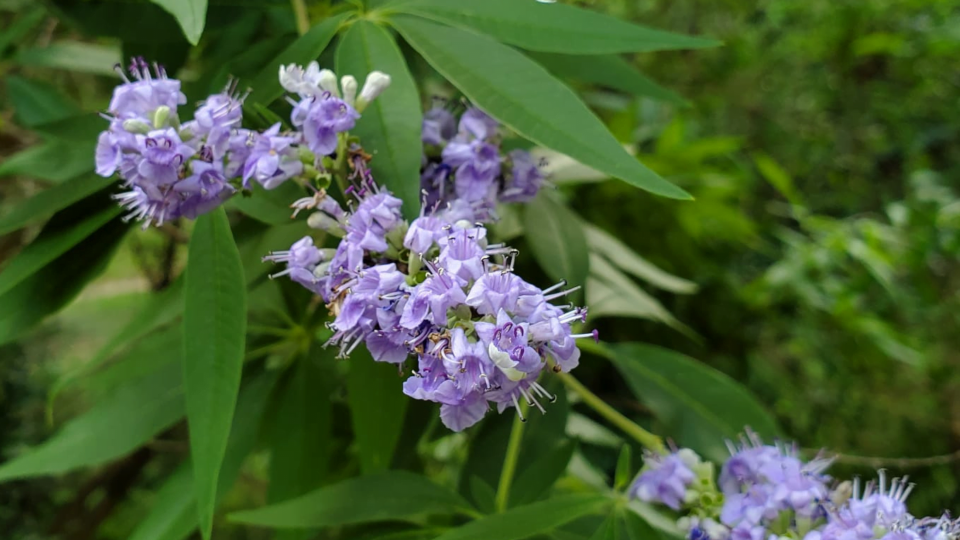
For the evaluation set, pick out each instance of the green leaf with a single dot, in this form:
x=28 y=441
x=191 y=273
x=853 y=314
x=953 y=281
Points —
x=778 y=178
x=37 y=102
x=701 y=406
x=521 y=94
x=271 y=206
x=112 y=428
x=173 y=516
x=266 y=86
x=26 y=20
x=62 y=233
x=54 y=161
x=483 y=495
x=214 y=331
x=390 y=125
x=551 y=27
x=301 y=430
x=535 y=479
x=624 y=258
x=388 y=496
x=377 y=408
x=637 y=529
x=608 y=70
x=529 y=520
x=557 y=240
x=612 y=294
x=56 y=284
x=159 y=309
x=610 y=529
x=191 y=14
x=72 y=56
x=625 y=471
x=51 y=200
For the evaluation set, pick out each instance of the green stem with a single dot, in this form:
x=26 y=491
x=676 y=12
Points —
x=645 y=438
x=510 y=460
x=300 y=14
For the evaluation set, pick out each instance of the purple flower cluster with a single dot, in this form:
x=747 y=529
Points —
x=175 y=169
x=464 y=171
x=170 y=169
x=481 y=335
x=769 y=493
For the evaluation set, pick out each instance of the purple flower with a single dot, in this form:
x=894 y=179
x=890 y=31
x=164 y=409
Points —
x=432 y=299
x=478 y=124
x=477 y=165
x=146 y=92
x=423 y=233
x=302 y=259
x=321 y=118
x=272 y=160
x=461 y=254
x=163 y=156
x=204 y=190
x=525 y=178
x=508 y=346
x=665 y=480
x=439 y=126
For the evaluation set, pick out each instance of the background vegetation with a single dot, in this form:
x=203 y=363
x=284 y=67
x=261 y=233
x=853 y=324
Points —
x=822 y=144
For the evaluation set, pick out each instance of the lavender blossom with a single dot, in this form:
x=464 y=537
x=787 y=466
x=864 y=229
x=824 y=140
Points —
x=666 y=478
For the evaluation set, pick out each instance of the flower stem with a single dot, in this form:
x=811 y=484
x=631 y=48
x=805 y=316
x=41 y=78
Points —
x=645 y=438
x=510 y=460
x=300 y=14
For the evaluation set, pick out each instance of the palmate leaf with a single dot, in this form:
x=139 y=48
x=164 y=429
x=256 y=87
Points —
x=390 y=126
x=525 y=97
x=388 y=496
x=624 y=258
x=265 y=87
x=214 y=332
x=549 y=27
x=51 y=200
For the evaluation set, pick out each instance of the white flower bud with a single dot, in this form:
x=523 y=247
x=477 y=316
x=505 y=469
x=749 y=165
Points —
x=135 y=125
x=375 y=84
x=328 y=82
x=322 y=221
x=291 y=78
x=349 y=86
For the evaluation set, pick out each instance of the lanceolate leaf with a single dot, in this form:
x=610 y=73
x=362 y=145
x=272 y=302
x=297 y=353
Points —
x=53 y=161
x=627 y=260
x=53 y=286
x=557 y=240
x=550 y=27
x=57 y=237
x=36 y=102
x=390 y=496
x=377 y=407
x=266 y=86
x=214 y=331
x=608 y=70
x=191 y=14
x=51 y=200
x=174 y=514
x=390 y=126
x=521 y=94
x=526 y=521
x=112 y=428
x=300 y=433
x=701 y=406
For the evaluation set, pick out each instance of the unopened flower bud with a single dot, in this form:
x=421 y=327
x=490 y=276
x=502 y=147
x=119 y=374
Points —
x=135 y=125
x=375 y=84
x=328 y=82
x=323 y=222
x=160 y=116
x=291 y=77
x=349 y=85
